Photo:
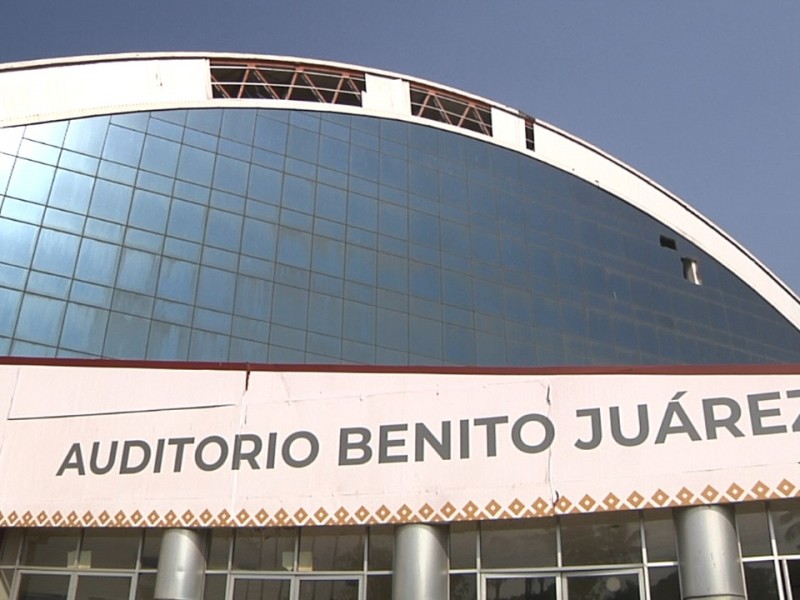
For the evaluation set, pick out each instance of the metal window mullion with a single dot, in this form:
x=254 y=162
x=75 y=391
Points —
x=362 y=588
x=645 y=576
x=787 y=583
x=776 y=562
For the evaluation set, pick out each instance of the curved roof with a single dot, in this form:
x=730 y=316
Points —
x=40 y=91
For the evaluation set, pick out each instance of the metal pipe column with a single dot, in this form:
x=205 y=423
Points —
x=181 y=565
x=420 y=563
x=708 y=553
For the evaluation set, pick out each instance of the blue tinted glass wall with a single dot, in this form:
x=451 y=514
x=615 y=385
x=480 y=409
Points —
x=280 y=236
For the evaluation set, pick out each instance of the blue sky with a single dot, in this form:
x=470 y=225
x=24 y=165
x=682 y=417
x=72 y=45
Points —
x=702 y=96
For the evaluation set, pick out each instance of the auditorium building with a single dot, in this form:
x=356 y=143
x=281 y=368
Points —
x=283 y=329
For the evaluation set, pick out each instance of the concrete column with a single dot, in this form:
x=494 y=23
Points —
x=420 y=563
x=708 y=553
x=181 y=565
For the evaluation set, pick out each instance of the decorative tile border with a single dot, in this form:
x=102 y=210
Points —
x=517 y=509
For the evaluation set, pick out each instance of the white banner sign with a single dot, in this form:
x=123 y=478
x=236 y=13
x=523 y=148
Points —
x=136 y=447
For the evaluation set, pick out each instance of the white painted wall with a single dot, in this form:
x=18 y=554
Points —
x=51 y=93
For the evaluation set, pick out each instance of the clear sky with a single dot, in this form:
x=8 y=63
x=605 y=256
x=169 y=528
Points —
x=703 y=96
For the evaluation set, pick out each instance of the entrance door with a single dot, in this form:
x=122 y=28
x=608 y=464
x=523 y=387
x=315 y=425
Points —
x=622 y=585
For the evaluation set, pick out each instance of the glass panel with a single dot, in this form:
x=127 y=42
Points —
x=21 y=251
x=759 y=578
x=601 y=539
x=605 y=587
x=520 y=588
x=786 y=521
x=43 y=587
x=103 y=588
x=9 y=546
x=30 y=181
x=146 y=586
x=381 y=548
x=751 y=522
x=261 y=589
x=50 y=548
x=659 y=533
x=664 y=583
x=111 y=548
x=6 y=579
x=331 y=589
x=150 y=548
x=463 y=547
x=219 y=549
x=463 y=586
x=518 y=544
x=793 y=567
x=379 y=587
x=269 y=549
x=334 y=549
x=215 y=587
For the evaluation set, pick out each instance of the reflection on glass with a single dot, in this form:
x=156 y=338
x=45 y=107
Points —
x=603 y=587
x=462 y=545
x=760 y=580
x=214 y=588
x=50 y=548
x=664 y=583
x=261 y=589
x=9 y=545
x=107 y=588
x=381 y=548
x=601 y=539
x=146 y=586
x=38 y=587
x=786 y=520
x=150 y=548
x=518 y=544
x=335 y=549
x=379 y=587
x=218 y=549
x=521 y=588
x=751 y=523
x=659 y=532
x=460 y=230
x=268 y=549
x=110 y=548
x=463 y=586
x=328 y=589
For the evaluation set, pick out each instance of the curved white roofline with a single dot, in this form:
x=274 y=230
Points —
x=49 y=90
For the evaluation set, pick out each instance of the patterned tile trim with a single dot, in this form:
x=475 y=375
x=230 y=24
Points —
x=519 y=508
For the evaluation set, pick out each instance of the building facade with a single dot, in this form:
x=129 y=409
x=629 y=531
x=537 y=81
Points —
x=231 y=213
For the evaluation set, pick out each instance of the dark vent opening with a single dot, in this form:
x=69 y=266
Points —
x=668 y=242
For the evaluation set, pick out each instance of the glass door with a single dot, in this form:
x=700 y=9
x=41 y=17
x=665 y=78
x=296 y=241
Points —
x=617 y=585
